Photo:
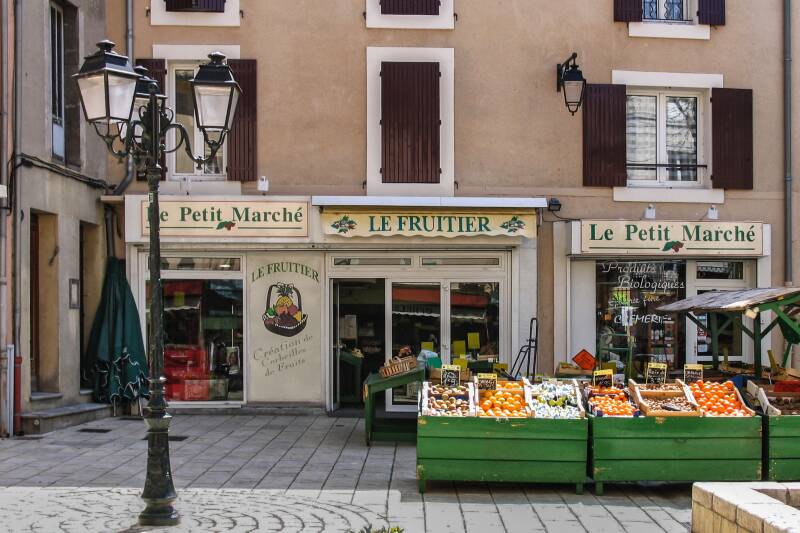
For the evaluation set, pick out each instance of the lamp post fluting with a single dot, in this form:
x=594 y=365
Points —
x=126 y=110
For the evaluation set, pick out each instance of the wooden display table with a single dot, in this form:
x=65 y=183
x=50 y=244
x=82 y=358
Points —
x=388 y=429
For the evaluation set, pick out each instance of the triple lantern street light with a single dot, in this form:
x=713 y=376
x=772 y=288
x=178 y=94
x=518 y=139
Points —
x=127 y=111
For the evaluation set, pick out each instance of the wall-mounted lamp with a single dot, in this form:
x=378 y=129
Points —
x=713 y=213
x=650 y=212
x=570 y=78
x=554 y=205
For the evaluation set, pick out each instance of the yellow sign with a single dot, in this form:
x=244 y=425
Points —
x=220 y=218
x=487 y=381
x=692 y=373
x=603 y=378
x=474 y=341
x=429 y=224
x=656 y=373
x=641 y=237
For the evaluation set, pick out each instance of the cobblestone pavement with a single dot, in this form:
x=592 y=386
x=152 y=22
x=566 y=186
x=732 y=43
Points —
x=294 y=474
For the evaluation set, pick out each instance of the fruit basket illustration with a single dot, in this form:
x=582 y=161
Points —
x=284 y=317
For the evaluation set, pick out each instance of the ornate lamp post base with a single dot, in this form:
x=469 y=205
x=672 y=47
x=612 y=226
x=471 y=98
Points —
x=159 y=492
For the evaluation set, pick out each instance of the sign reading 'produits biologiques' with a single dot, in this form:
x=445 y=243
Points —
x=429 y=224
x=222 y=218
x=671 y=238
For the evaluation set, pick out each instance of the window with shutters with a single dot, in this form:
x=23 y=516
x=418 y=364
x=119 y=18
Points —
x=410 y=134
x=680 y=19
x=195 y=13
x=410 y=14
x=180 y=100
x=664 y=138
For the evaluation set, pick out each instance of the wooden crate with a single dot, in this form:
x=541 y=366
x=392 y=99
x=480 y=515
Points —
x=513 y=450
x=680 y=449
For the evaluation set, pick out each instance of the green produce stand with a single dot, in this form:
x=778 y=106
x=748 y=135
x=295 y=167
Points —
x=681 y=449
x=528 y=450
x=783 y=447
x=388 y=429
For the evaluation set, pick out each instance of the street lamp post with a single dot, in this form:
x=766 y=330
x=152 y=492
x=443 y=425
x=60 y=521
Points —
x=125 y=108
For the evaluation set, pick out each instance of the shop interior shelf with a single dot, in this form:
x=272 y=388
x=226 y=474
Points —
x=782 y=443
x=511 y=450
x=679 y=449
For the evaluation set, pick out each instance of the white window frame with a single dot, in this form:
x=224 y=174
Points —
x=159 y=16
x=672 y=29
x=446 y=59
x=661 y=180
x=57 y=121
x=445 y=20
x=197 y=142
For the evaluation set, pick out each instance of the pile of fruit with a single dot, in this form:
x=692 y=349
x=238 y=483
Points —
x=788 y=406
x=451 y=406
x=603 y=391
x=446 y=392
x=612 y=405
x=718 y=399
x=660 y=386
x=555 y=400
x=284 y=313
x=669 y=404
x=502 y=404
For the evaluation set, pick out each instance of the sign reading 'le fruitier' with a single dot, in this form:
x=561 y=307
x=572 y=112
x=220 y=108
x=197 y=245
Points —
x=429 y=224
x=221 y=218
x=671 y=238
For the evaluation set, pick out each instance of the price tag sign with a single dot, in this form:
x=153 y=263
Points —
x=487 y=381
x=692 y=373
x=656 y=373
x=451 y=375
x=603 y=378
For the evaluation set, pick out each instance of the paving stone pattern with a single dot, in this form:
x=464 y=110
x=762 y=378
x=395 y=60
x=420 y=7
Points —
x=294 y=474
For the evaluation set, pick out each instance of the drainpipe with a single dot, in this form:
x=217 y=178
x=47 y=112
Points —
x=129 y=173
x=3 y=219
x=17 y=213
x=787 y=138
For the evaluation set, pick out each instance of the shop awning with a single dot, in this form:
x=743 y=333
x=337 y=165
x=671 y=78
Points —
x=729 y=301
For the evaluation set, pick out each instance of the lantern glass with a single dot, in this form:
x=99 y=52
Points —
x=215 y=105
x=120 y=96
x=93 y=96
x=573 y=93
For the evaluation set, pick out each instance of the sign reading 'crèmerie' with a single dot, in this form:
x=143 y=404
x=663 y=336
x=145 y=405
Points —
x=429 y=224
x=229 y=218
x=671 y=238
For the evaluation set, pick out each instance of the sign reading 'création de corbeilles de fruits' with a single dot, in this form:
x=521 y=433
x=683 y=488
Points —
x=222 y=218
x=671 y=238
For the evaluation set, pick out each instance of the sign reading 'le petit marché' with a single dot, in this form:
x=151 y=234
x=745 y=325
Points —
x=222 y=218
x=671 y=238
x=429 y=224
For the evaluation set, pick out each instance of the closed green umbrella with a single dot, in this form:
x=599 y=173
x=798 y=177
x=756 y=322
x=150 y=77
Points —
x=115 y=356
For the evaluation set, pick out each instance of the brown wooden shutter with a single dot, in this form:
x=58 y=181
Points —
x=628 y=10
x=711 y=12
x=410 y=122
x=732 y=138
x=604 y=143
x=242 y=140
x=157 y=69
x=410 y=7
x=202 y=6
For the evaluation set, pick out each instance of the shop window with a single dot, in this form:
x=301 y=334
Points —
x=628 y=293
x=371 y=261
x=720 y=270
x=474 y=319
x=182 y=167
x=460 y=261
x=663 y=131
x=203 y=339
x=224 y=264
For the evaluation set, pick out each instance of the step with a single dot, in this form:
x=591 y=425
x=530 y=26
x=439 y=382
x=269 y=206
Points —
x=47 y=420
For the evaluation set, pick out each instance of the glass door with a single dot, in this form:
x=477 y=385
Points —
x=415 y=325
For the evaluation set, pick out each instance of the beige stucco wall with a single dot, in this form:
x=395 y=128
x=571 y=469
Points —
x=513 y=135
x=67 y=200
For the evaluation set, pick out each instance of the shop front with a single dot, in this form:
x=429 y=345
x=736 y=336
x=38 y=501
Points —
x=295 y=300
x=619 y=272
